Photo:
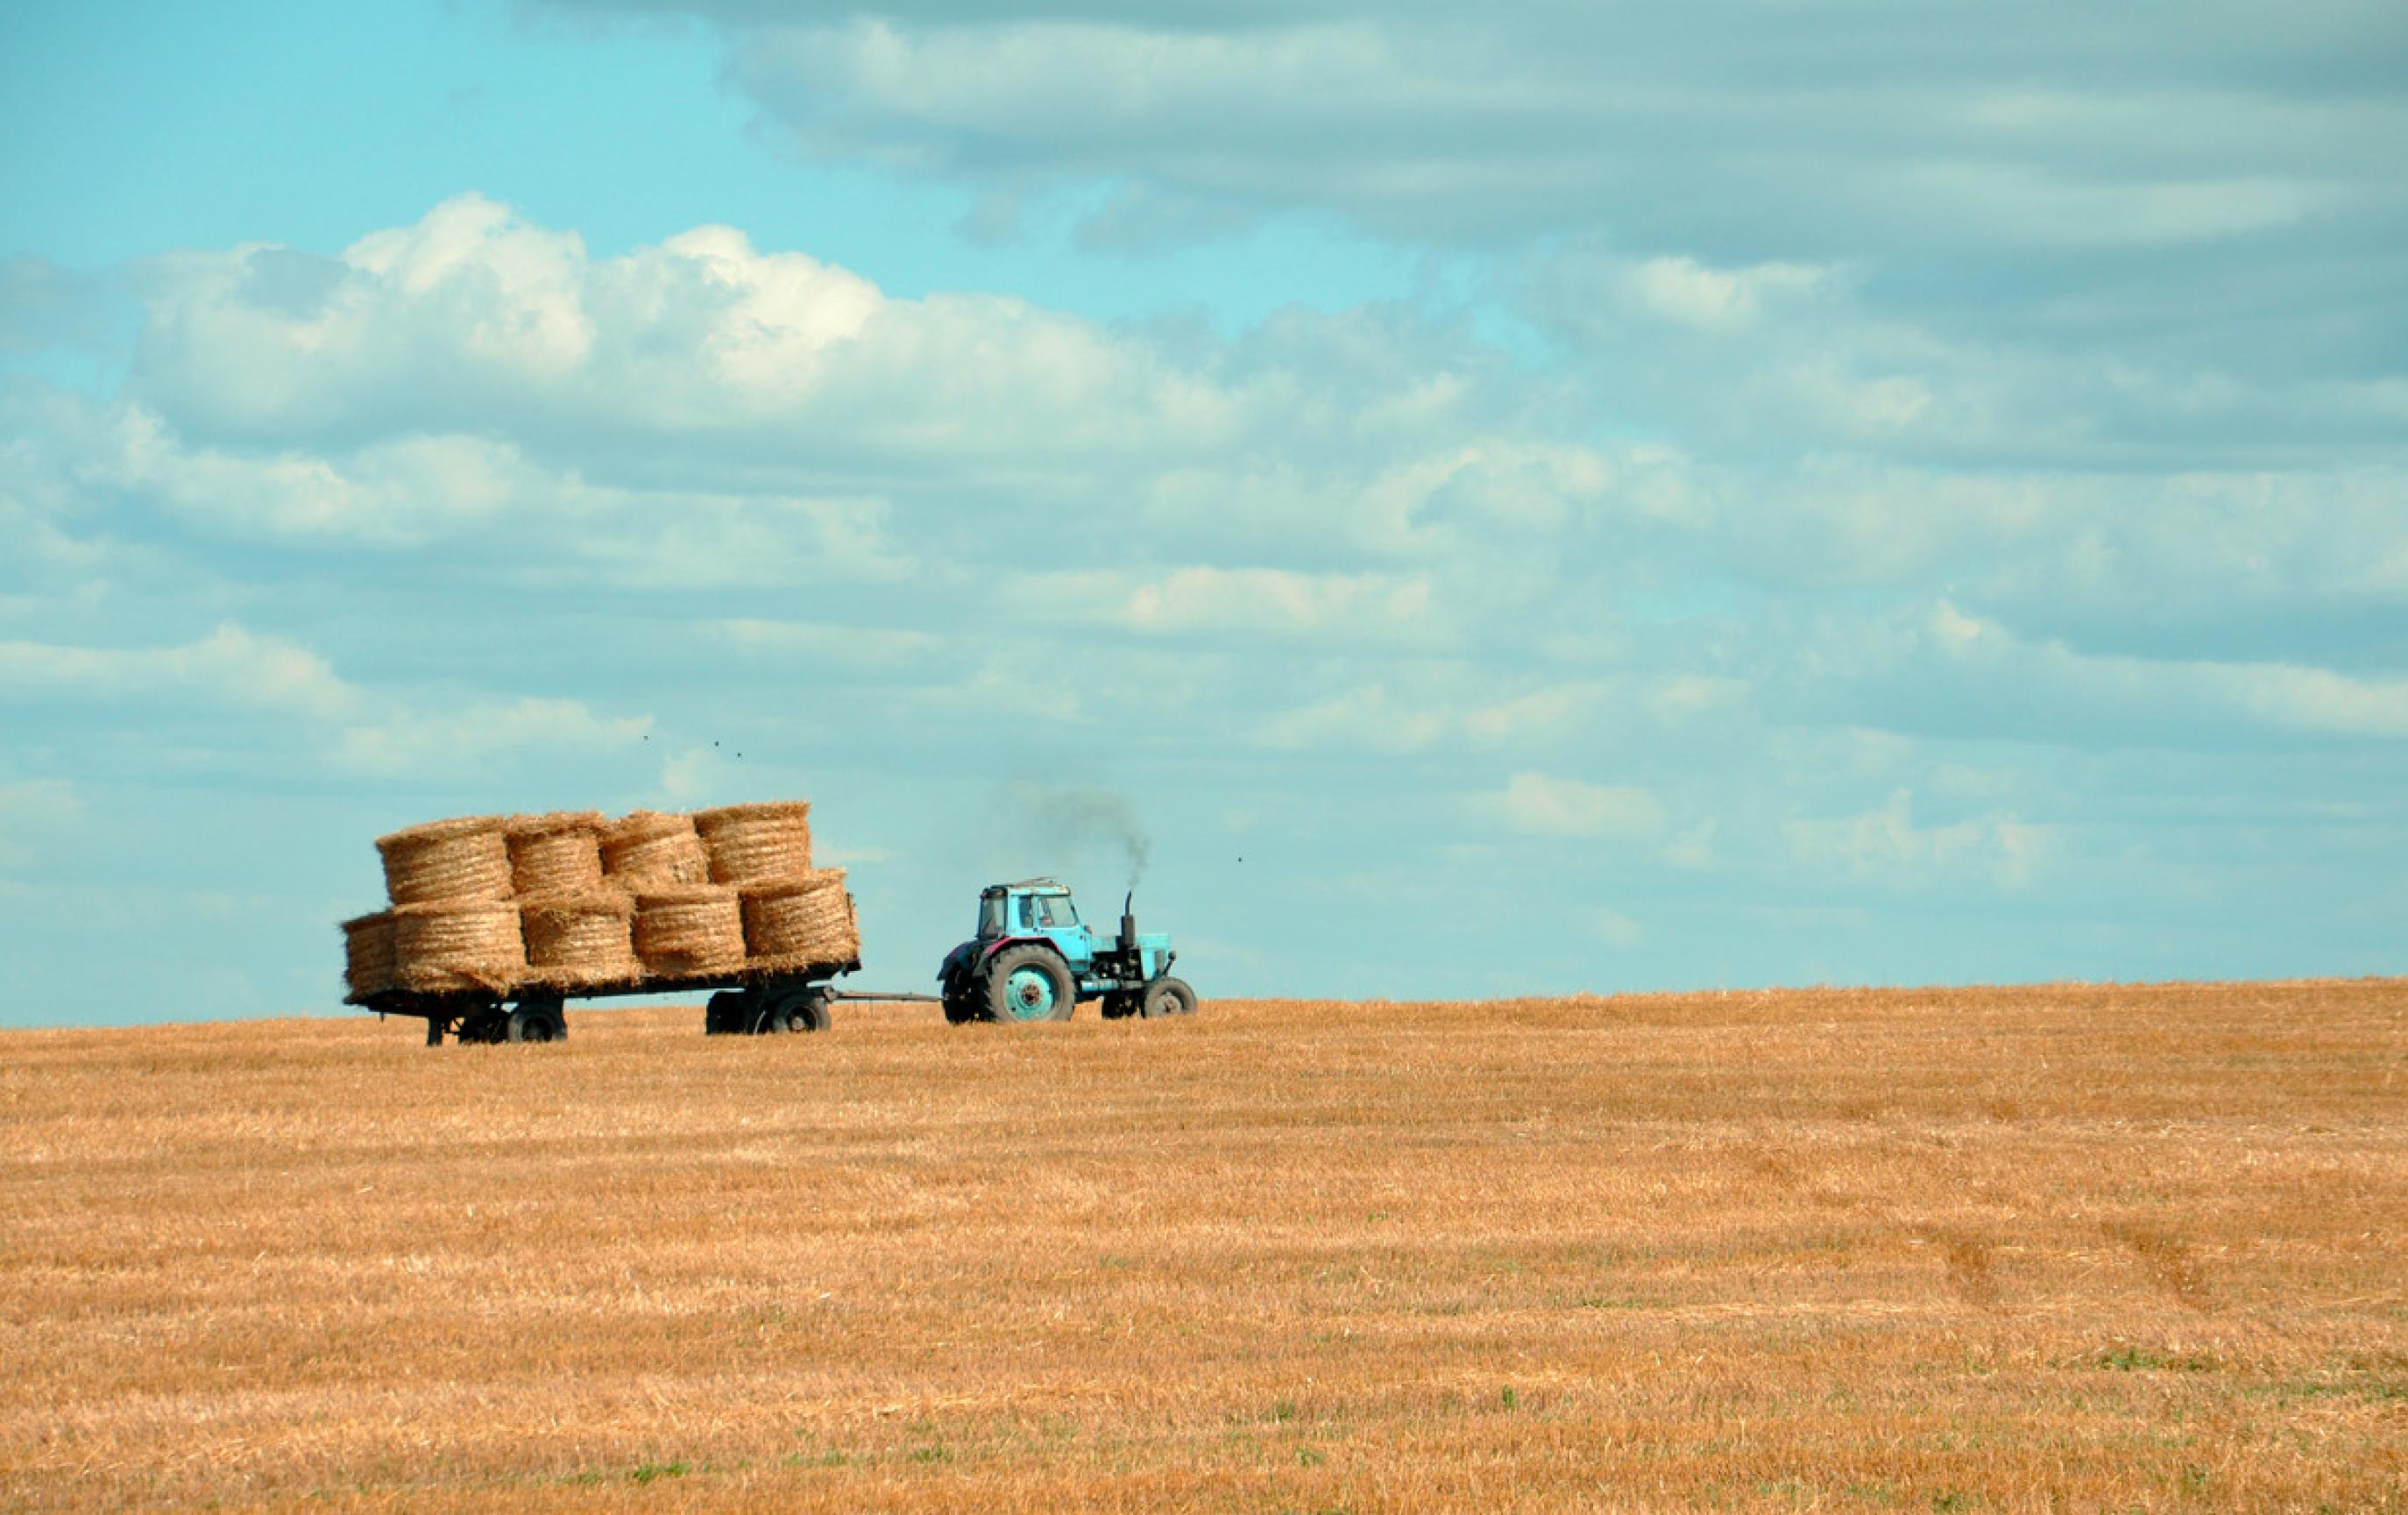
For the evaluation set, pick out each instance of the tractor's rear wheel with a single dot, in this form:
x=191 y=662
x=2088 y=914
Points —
x=1168 y=996
x=1027 y=984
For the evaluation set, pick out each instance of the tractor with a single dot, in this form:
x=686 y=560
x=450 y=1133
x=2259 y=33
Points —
x=1033 y=959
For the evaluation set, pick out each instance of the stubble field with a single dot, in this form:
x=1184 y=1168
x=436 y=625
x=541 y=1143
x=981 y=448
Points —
x=2064 y=1248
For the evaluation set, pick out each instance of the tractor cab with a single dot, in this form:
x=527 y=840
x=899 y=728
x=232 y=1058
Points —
x=1033 y=959
x=1035 y=907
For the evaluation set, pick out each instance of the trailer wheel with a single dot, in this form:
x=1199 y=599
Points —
x=1027 y=984
x=1168 y=996
x=723 y=1015
x=792 y=1010
x=538 y=1020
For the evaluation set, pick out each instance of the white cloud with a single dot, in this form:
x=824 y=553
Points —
x=1682 y=290
x=1254 y=601
x=445 y=738
x=1616 y=930
x=1522 y=119
x=1887 y=845
x=1539 y=804
x=33 y=809
x=2181 y=694
x=231 y=666
x=473 y=320
x=1367 y=716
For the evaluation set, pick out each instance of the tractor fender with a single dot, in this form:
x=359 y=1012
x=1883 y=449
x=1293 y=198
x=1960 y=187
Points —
x=956 y=961
x=1000 y=943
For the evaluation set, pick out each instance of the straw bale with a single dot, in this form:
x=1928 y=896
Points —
x=368 y=954
x=576 y=941
x=684 y=930
x=462 y=859
x=753 y=843
x=558 y=853
x=452 y=945
x=647 y=848
x=800 y=922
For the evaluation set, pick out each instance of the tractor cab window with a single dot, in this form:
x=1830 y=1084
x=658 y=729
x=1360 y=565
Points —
x=990 y=915
x=1055 y=911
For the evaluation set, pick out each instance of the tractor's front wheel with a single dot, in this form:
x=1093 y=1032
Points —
x=1168 y=996
x=1027 y=984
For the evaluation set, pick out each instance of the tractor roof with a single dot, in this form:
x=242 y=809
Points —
x=1036 y=886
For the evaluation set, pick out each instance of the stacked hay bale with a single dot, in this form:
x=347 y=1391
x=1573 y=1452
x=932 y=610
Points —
x=368 y=954
x=455 y=922
x=581 y=941
x=571 y=900
x=650 y=848
x=559 y=853
x=800 y=921
x=794 y=916
x=689 y=930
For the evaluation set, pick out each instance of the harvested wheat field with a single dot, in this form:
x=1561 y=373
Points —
x=2064 y=1248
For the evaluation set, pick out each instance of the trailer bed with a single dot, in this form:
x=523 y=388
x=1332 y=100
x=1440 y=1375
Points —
x=747 y=1000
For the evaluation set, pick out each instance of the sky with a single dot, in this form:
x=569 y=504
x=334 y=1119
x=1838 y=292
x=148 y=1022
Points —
x=1499 y=500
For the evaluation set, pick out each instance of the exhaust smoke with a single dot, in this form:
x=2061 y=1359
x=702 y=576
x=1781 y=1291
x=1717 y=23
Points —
x=1086 y=819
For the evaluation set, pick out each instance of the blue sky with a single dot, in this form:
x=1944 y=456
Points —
x=1534 y=499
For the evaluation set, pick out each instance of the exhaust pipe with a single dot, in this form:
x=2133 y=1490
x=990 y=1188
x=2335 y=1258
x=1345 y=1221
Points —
x=1128 y=925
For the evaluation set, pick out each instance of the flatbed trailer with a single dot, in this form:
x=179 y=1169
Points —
x=743 y=1001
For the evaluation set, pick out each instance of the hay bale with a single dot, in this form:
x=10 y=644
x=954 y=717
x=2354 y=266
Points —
x=368 y=954
x=452 y=945
x=753 y=843
x=647 y=848
x=559 y=853
x=686 y=931
x=800 y=922
x=581 y=941
x=462 y=859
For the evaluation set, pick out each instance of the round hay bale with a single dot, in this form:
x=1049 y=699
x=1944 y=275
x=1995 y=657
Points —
x=368 y=954
x=453 y=945
x=462 y=859
x=559 y=853
x=800 y=922
x=647 y=848
x=580 y=941
x=752 y=843
x=685 y=931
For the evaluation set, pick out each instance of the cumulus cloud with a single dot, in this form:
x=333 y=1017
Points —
x=474 y=319
x=1243 y=602
x=1543 y=805
x=1885 y=845
x=1880 y=127
x=427 y=736
x=1947 y=670
x=231 y=666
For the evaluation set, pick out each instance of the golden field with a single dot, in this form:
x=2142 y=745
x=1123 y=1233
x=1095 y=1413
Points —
x=2065 y=1248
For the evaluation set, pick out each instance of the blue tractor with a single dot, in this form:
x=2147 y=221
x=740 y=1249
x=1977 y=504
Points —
x=1033 y=959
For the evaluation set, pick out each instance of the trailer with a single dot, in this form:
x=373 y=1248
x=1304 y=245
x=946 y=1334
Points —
x=742 y=1003
x=1032 y=959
